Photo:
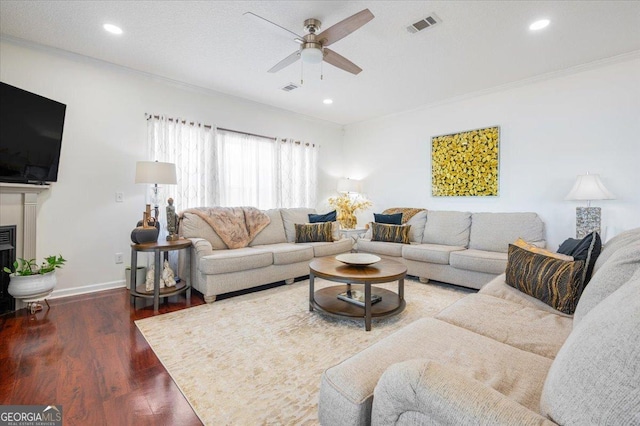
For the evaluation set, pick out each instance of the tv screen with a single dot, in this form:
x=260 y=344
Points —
x=30 y=136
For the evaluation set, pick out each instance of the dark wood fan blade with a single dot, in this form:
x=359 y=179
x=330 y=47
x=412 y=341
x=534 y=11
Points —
x=341 y=62
x=344 y=27
x=296 y=37
x=286 y=62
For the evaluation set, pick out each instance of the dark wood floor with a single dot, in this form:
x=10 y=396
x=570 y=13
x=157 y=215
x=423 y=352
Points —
x=87 y=355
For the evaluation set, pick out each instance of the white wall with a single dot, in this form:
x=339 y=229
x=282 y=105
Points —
x=551 y=131
x=104 y=136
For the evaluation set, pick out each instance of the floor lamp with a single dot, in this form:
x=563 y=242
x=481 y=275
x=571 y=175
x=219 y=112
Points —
x=588 y=188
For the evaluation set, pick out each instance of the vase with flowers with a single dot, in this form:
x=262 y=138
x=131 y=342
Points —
x=346 y=207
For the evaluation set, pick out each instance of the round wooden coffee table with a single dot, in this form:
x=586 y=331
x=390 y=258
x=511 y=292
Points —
x=326 y=299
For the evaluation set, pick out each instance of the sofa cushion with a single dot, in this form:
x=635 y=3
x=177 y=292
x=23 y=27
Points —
x=380 y=247
x=347 y=389
x=527 y=328
x=287 y=253
x=292 y=216
x=558 y=283
x=390 y=233
x=274 y=231
x=431 y=253
x=489 y=262
x=225 y=261
x=621 y=240
x=595 y=377
x=332 y=216
x=193 y=226
x=495 y=231
x=498 y=287
x=618 y=269
x=314 y=232
x=447 y=228
x=417 y=222
x=330 y=249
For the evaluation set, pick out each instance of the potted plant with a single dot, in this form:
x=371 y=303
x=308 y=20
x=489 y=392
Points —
x=29 y=280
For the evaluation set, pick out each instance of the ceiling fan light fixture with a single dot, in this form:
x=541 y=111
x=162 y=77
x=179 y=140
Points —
x=311 y=55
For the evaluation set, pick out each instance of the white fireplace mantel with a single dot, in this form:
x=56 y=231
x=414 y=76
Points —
x=30 y=207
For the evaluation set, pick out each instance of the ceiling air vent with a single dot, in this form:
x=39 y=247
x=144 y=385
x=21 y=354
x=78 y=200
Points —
x=425 y=23
x=289 y=87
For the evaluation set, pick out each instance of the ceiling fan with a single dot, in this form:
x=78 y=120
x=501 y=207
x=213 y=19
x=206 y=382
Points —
x=313 y=47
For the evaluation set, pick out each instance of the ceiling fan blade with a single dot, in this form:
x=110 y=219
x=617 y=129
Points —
x=296 y=38
x=285 y=62
x=344 y=27
x=341 y=62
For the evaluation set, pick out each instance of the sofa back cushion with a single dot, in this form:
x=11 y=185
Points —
x=193 y=226
x=292 y=216
x=619 y=241
x=612 y=275
x=495 y=231
x=594 y=378
x=274 y=231
x=447 y=228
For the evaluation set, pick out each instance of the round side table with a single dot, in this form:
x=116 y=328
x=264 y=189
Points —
x=158 y=247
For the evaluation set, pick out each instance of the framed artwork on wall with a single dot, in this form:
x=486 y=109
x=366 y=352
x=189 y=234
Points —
x=465 y=164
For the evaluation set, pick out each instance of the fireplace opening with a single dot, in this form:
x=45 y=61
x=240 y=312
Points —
x=7 y=257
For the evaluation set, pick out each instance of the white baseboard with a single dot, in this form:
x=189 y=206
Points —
x=66 y=292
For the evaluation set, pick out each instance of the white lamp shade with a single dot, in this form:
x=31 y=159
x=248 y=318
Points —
x=589 y=187
x=348 y=186
x=311 y=55
x=156 y=172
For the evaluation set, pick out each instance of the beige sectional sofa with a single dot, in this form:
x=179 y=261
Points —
x=462 y=248
x=272 y=256
x=501 y=357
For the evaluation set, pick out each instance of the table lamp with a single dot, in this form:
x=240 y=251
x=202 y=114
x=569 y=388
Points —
x=348 y=186
x=155 y=172
x=588 y=188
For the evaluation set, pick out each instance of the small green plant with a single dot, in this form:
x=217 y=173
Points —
x=25 y=267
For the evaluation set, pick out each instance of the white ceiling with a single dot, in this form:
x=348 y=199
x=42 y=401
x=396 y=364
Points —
x=479 y=45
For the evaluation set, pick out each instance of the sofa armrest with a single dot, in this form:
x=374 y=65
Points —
x=414 y=391
x=199 y=247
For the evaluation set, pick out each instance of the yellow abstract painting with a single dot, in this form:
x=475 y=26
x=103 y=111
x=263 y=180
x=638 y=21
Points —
x=466 y=163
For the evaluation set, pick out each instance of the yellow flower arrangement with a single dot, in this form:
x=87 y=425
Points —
x=346 y=208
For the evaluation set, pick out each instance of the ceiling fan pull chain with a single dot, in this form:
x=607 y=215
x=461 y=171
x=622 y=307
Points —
x=321 y=71
x=301 y=73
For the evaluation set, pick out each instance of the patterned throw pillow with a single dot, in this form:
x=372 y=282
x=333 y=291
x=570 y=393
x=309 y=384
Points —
x=314 y=232
x=587 y=249
x=390 y=233
x=558 y=283
x=535 y=249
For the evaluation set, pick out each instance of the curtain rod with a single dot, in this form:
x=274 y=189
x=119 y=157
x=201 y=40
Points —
x=208 y=126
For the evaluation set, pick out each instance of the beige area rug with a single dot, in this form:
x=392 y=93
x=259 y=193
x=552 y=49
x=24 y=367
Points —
x=258 y=358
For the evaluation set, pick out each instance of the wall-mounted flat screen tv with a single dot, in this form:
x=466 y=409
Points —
x=30 y=136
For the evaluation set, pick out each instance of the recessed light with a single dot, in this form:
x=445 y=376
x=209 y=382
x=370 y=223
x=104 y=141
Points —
x=327 y=101
x=113 y=29
x=538 y=25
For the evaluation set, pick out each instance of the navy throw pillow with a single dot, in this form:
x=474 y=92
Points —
x=587 y=249
x=389 y=219
x=327 y=217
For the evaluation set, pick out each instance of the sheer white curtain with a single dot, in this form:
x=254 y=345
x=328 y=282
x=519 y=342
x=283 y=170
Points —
x=296 y=173
x=246 y=166
x=192 y=148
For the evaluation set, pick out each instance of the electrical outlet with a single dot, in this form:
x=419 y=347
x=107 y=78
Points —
x=119 y=197
x=119 y=258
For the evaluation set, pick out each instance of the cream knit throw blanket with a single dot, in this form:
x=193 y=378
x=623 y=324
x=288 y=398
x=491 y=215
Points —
x=236 y=226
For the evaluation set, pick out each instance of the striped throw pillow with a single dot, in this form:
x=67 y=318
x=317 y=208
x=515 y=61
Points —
x=314 y=232
x=390 y=233
x=558 y=283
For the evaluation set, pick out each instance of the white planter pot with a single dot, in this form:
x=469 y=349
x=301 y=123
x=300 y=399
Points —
x=24 y=287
